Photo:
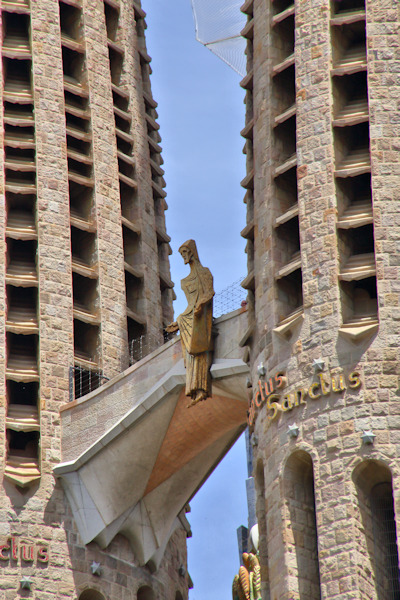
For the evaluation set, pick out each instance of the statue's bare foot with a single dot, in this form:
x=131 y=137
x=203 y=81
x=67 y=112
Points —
x=200 y=395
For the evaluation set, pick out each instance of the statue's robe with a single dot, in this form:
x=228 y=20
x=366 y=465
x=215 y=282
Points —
x=196 y=330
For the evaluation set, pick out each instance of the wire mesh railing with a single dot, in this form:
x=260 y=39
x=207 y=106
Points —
x=145 y=344
x=229 y=299
x=226 y=301
x=83 y=381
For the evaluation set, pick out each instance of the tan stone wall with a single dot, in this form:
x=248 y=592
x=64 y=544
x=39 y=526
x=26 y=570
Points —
x=330 y=426
x=133 y=83
x=54 y=246
x=40 y=515
x=68 y=571
x=87 y=419
x=107 y=206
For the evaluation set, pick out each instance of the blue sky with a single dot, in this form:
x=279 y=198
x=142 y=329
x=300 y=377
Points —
x=201 y=113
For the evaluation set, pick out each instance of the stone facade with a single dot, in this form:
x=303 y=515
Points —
x=322 y=143
x=86 y=272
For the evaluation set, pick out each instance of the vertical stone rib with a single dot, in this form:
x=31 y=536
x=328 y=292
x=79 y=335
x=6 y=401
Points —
x=263 y=266
x=383 y=54
x=108 y=211
x=54 y=258
x=133 y=79
x=317 y=204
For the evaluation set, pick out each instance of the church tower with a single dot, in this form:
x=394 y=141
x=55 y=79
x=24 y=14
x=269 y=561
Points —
x=86 y=268
x=322 y=191
x=85 y=280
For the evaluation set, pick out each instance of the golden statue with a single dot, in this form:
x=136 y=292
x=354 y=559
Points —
x=195 y=325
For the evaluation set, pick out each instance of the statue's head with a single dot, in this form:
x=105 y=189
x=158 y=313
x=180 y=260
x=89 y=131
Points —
x=188 y=251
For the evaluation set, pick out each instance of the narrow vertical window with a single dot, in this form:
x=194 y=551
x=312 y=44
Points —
x=248 y=150
x=302 y=545
x=385 y=541
x=377 y=526
x=357 y=270
x=286 y=237
x=159 y=203
x=81 y=194
x=22 y=466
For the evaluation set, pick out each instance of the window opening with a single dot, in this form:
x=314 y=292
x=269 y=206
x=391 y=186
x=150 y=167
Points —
x=300 y=504
x=145 y=593
x=377 y=527
x=385 y=541
x=91 y=595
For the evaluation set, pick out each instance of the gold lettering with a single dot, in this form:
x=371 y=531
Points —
x=341 y=386
x=287 y=403
x=271 y=387
x=43 y=554
x=311 y=393
x=354 y=380
x=14 y=548
x=300 y=396
x=27 y=552
x=325 y=386
x=280 y=380
x=256 y=401
x=274 y=406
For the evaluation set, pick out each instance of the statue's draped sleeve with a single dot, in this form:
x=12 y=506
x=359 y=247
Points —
x=196 y=329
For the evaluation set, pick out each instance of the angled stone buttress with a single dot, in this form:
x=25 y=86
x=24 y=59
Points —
x=144 y=454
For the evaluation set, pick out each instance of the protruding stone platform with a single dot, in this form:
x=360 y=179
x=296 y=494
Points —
x=136 y=454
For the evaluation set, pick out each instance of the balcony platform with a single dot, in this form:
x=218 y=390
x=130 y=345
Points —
x=134 y=454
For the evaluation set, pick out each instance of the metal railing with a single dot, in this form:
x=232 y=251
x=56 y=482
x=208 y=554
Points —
x=226 y=301
x=145 y=344
x=229 y=299
x=83 y=381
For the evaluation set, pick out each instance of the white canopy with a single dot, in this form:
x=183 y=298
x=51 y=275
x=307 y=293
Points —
x=218 y=26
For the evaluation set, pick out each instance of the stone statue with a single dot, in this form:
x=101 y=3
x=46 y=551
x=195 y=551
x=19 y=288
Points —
x=195 y=325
